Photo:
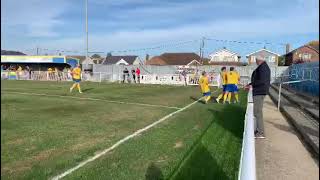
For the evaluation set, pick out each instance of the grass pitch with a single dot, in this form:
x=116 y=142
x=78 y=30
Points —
x=43 y=136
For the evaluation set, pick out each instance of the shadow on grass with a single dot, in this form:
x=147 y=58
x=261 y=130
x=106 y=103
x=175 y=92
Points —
x=154 y=173
x=200 y=165
x=87 y=89
x=231 y=118
x=212 y=100
x=196 y=99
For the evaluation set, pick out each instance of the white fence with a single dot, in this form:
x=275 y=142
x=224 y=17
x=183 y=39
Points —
x=247 y=168
x=244 y=71
x=177 y=79
x=149 y=74
x=55 y=76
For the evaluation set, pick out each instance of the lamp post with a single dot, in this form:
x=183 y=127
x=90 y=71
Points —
x=86 y=2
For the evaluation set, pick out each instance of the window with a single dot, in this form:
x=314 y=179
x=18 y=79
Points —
x=271 y=59
x=306 y=56
x=215 y=58
x=253 y=58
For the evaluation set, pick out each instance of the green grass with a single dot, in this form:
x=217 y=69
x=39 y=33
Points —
x=44 y=136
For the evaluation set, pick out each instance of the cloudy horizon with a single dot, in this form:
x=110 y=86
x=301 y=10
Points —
x=133 y=24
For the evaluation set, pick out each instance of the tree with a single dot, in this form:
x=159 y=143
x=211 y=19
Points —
x=147 y=57
x=313 y=43
x=109 y=54
x=281 y=61
x=95 y=56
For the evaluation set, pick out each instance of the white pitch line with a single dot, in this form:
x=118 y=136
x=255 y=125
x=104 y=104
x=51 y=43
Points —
x=94 y=99
x=69 y=171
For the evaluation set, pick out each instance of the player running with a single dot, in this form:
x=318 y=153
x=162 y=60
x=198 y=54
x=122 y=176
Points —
x=76 y=76
x=223 y=80
x=233 y=79
x=204 y=86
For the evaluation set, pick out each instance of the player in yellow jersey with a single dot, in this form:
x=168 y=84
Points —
x=76 y=76
x=233 y=79
x=204 y=86
x=223 y=77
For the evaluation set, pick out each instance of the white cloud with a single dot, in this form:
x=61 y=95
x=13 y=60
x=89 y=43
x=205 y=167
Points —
x=41 y=18
x=37 y=17
x=232 y=29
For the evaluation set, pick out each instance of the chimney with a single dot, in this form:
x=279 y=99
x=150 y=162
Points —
x=287 y=48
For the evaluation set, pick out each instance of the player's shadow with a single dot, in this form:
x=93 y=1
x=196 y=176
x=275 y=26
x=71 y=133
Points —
x=154 y=173
x=200 y=164
x=231 y=118
x=87 y=89
x=201 y=101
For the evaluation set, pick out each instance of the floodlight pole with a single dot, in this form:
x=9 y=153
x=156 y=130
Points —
x=86 y=2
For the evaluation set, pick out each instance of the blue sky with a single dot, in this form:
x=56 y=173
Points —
x=131 y=24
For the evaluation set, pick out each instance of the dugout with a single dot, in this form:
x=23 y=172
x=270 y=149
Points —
x=39 y=63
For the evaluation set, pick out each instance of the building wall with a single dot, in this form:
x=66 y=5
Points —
x=270 y=58
x=302 y=54
x=122 y=62
x=137 y=61
x=224 y=56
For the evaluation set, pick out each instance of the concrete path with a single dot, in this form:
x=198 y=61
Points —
x=282 y=156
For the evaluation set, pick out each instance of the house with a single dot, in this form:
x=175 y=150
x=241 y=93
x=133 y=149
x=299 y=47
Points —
x=98 y=60
x=305 y=53
x=270 y=57
x=122 y=60
x=187 y=59
x=226 y=63
x=224 y=55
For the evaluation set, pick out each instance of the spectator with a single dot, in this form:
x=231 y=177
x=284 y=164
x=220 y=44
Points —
x=19 y=68
x=133 y=75
x=184 y=74
x=65 y=70
x=69 y=73
x=193 y=77
x=260 y=83
x=57 y=73
x=50 y=70
x=19 y=72
x=29 y=71
x=125 y=74
x=138 y=74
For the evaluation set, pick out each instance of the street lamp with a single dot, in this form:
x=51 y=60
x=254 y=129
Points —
x=86 y=1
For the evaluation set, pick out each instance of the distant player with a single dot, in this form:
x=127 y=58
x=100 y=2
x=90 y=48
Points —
x=223 y=80
x=76 y=76
x=233 y=79
x=204 y=86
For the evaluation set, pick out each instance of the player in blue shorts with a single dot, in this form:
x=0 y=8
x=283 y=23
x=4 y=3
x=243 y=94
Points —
x=233 y=79
x=223 y=77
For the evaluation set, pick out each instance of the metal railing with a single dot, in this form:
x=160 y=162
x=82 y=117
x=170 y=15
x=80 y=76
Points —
x=247 y=168
x=289 y=82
